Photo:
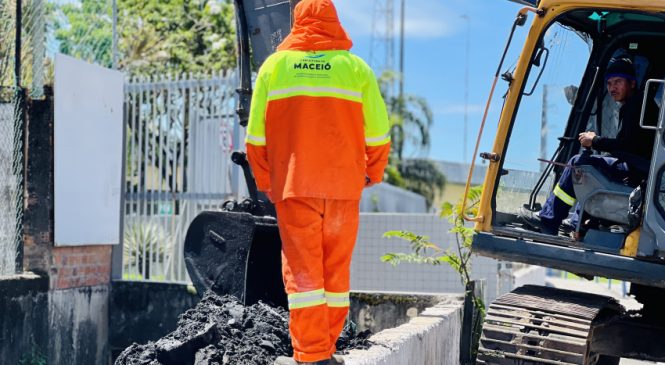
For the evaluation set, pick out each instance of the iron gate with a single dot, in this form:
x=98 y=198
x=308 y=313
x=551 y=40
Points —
x=179 y=137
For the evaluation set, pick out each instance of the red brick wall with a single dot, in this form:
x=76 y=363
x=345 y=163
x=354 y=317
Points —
x=75 y=267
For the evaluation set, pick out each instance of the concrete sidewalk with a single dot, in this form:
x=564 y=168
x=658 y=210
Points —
x=588 y=286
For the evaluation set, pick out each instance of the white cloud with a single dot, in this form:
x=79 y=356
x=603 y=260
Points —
x=424 y=19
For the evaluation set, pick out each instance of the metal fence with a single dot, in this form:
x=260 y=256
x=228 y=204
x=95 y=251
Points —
x=179 y=137
x=11 y=186
x=17 y=50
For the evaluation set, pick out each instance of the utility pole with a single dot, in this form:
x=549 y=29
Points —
x=17 y=45
x=543 y=130
x=466 y=86
x=401 y=58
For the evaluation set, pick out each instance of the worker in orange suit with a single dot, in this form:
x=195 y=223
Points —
x=318 y=133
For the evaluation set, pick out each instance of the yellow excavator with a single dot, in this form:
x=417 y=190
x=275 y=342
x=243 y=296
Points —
x=619 y=230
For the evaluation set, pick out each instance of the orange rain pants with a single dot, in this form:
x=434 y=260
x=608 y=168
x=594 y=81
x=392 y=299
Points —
x=318 y=236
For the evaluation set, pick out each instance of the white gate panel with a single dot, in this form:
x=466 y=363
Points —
x=88 y=157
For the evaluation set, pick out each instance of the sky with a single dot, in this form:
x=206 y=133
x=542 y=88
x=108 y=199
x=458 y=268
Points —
x=436 y=35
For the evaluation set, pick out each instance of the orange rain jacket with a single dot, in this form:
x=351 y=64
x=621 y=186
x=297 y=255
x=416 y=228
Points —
x=318 y=125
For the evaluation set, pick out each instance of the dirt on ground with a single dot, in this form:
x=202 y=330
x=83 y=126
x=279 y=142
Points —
x=220 y=330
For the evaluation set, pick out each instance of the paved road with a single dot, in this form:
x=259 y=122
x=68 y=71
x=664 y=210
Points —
x=592 y=287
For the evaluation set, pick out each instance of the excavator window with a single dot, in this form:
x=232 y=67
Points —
x=542 y=115
x=567 y=95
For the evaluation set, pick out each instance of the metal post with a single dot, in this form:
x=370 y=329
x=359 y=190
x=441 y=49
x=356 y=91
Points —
x=118 y=250
x=17 y=45
x=293 y=6
x=466 y=85
x=543 y=131
x=19 y=164
x=115 y=34
x=401 y=60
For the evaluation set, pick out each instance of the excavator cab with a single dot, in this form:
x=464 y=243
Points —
x=568 y=67
x=555 y=91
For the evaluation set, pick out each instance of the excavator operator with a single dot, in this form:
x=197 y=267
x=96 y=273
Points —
x=318 y=133
x=632 y=143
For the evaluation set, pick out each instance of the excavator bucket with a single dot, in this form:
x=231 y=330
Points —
x=237 y=251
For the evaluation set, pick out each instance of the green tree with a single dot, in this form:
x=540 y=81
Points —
x=84 y=30
x=423 y=251
x=154 y=37
x=422 y=176
x=410 y=120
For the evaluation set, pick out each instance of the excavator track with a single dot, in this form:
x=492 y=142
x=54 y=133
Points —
x=539 y=325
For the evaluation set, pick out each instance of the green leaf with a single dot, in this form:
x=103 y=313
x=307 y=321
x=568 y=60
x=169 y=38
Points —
x=446 y=209
x=453 y=261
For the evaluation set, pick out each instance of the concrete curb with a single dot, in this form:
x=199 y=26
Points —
x=431 y=338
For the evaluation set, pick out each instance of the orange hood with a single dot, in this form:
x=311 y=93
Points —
x=316 y=28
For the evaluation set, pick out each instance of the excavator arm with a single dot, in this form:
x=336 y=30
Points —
x=236 y=250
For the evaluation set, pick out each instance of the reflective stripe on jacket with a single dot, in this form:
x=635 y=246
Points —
x=317 y=125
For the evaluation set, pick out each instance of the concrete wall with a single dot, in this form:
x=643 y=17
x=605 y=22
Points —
x=67 y=321
x=388 y=198
x=432 y=338
x=23 y=319
x=376 y=311
x=142 y=312
x=78 y=325
x=531 y=275
x=369 y=273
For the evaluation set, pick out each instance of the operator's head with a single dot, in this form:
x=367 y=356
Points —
x=620 y=78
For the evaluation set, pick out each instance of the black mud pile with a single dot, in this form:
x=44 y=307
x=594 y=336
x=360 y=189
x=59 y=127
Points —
x=220 y=330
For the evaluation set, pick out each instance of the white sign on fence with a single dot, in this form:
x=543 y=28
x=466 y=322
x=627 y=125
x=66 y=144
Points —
x=88 y=140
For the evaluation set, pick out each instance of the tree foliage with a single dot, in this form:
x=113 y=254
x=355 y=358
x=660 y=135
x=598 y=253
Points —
x=410 y=120
x=423 y=251
x=423 y=177
x=154 y=36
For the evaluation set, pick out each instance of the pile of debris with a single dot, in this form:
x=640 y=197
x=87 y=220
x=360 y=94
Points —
x=220 y=330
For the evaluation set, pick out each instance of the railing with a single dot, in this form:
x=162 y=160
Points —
x=180 y=133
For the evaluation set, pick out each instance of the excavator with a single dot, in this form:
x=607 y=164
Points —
x=620 y=231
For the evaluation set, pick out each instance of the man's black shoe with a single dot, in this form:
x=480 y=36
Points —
x=531 y=220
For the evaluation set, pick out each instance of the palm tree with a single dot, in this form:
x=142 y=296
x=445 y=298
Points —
x=410 y=120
